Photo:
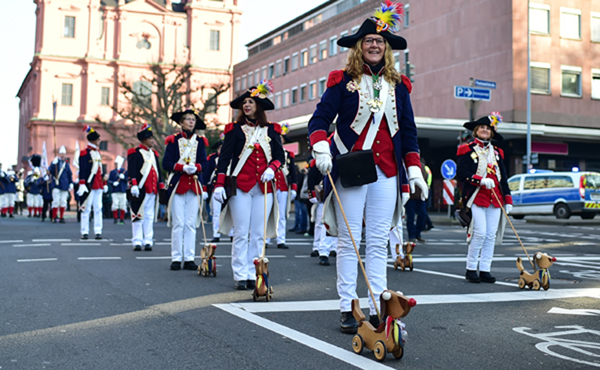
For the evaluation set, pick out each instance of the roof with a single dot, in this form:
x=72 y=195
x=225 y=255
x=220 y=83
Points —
x=176 y=7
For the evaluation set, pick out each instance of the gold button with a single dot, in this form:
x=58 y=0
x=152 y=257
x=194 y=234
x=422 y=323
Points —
x=377 y=141
x=377 y=154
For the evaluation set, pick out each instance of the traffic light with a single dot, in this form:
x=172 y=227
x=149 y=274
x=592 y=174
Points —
x=409 y=70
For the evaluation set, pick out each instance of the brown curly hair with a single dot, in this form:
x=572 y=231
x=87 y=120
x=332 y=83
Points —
x=355 y=62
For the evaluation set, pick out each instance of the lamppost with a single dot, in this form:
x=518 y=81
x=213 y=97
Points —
x=528 y=91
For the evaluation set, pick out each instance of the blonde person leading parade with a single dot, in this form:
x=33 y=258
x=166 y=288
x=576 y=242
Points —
x=375 y=134
x=251 y=154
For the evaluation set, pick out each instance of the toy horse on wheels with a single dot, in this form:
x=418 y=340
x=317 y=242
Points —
x=209 y=261
x=407 y=260
x=390 y=336
x=541 y=277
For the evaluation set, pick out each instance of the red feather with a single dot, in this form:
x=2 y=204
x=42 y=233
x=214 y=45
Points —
x=463 y=149
x=228 y=128
x=335 y=78
x=406 y=81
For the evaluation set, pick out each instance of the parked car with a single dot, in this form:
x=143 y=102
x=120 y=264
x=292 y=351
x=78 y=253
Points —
x=559 y=193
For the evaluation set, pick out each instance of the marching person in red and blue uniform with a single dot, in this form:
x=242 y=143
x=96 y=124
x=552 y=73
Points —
x=118 y=179
x=145 y=179
x=91 y=184
x=374 y=115
x=209 y=177
x=62 y=177
x=8 y=182
x=185 y=157
x=34 y=192
x=253 y=152
x=285 y=179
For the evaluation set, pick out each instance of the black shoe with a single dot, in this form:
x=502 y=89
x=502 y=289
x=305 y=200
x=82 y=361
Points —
x=429 y=227
x=114 y=220
x=240 y=285
x=486 y=277
x=472 y=277
x=98 y=237
x=292 y=230
x=11 y=216
x=231 y=239
x=324 y=261
x=61 y=221
x=333 y=254
x=282 y=246
x=122 y=222
x=43 y=219
x=348 y=323
x=190 y=265
x=250 y=284
x=84 y=237
x=215 y=240
x=176 y=265
x=29 y=215
x=147 y=247
x=374 y=320
x=137 y=248
x=301 y=231
x=419 y=239
x=314 y=254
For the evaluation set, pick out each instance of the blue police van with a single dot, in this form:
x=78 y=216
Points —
x=559 y=193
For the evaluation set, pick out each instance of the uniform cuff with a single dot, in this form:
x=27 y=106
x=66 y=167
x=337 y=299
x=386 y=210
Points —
x=198 y=167
x=508 y=199
x=294 y=187
x=161 y=186
x=405 y=188
x=317 y=136
x=204 y=188
x=81 y=182
x=274 y=165
x=412 y=159
x=476 y=179
x=220 y=180
x=134 y=182
x=178 y=167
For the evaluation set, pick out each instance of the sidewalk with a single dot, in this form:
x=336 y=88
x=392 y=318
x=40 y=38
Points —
x=441 y=218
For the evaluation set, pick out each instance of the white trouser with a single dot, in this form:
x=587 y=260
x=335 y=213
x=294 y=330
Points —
x=34 y=200
x=143 y=230
x=248 y=216
x=59 y=198
x=2 y=200
x=94 y=200
x=119 y=201
x=376 y=201
x=9 y=200
x=216 y=213
x=282 y=224
x=322 y=243
x=396 y=238
x=485 y=227
x=184 y=213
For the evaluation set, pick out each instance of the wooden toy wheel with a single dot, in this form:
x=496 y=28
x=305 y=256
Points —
x=403 y=267
x=269 y=294
x=411 y=267
x=358 y=344
x=536 y=284
x=398 y=353
x=546 y=286
x=395 y=265
x=214 y=272
x=379 y=350
x=522 y=283
x=254 y=295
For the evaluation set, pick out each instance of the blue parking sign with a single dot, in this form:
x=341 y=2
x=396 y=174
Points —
x=448 y=169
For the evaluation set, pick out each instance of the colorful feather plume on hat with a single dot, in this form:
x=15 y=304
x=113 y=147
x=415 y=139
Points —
x=388 y=17
x=285 y=128
x=146 y=126
x=88 y=129
x=495 y=119
x=263 y=90
x=222 y=136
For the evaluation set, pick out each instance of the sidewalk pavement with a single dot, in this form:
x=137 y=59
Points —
x=441 y=218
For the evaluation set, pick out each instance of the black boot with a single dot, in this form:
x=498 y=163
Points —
x=348 y=323
x=472 y=277
x=486 y=277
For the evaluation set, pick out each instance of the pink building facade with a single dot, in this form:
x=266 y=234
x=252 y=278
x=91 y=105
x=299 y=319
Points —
x=85 y=48
x=450 y=42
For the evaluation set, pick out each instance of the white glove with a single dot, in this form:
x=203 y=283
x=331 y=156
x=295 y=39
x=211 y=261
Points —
x=405 y=198
x=313 y=200
x=55 y=160
x=219 y=194
x=46 y=177
x=70 y=186
x=415 y=178
x=508 y=208
x=116 y=183
x=204 y=195
x=190 y=169
x=135 y=191
x=268 y=175
x=488 y=183
x=105 y=189
x=322 y=156
x=121 y=176
x=82 y=190
x=292 y=194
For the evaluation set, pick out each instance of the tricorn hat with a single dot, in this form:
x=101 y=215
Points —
x=145 y=132
x=491 y=121
x=36 y=160
x=91 y=134
x=62 y=150
x=260 y=95
x=384 y=21
x=199 y=122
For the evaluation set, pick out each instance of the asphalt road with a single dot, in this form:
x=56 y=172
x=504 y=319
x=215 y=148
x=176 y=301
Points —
x=71 y=304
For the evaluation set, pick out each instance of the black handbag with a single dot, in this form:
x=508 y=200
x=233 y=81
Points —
x=356 y=168
x=463 y=216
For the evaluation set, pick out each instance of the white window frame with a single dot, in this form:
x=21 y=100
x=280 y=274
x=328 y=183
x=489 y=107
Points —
x=238 y=84
x=295 y=56
x=322 y=82
x=256 y=77
x=284 y=103
x=270 y=75
x=244 y=80
x=343 y=34
x=279 y=71
x=397 y=64
x=594 y=15
x=310 y=90
x=549 y=68
x=572 y=69
x=218 y=41
x=315 y=48
x=333 y=46
x=289 y=60
x=74 y=26
x=264 y=74
x=406 y=17
x=595 y=73
x=570 y=11
x=301 y=62
x=277 y=101
x=300 y=99
x=294 y=90
x=544 y=7
x=323 y=46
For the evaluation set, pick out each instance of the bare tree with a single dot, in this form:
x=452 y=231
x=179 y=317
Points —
x=153 y=99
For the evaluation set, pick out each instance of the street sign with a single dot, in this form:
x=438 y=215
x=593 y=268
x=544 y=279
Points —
x=448 y=192
x=534 y=158
x=472 y=93
x=448 y=169
x=486 y=84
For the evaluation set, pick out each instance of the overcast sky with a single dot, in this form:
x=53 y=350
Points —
x=18 y=27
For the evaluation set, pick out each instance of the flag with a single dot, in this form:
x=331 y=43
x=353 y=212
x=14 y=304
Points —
x=76 y=155
x=44 y=164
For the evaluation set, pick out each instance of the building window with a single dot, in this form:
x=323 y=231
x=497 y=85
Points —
x=278 y=100
x=343 y=34
x=540 y=78
x=103 y=146
x=571 y=81
x=256 y=77
x=313 y=54
x=286 y=65
x=595 y=83
x=322 y=86
x=294 y=95
x=539 y=18
x=250 y=75
x=333 y=46
x=409 y=69
x=67 y=94
x=323 y=50
x=595 y=26
x=406 y=15
x=263 y=74
x=302 y=93
x=570 y=23
x=271 y=71
x=286 y=98
x=312 y=90
x=238 y=83
x=295 y=61
x=105 y=96
x=214 y=39
x=211 y=103
x=303 y=58
x=69 y=30
x=278 y=68
x=143 y=43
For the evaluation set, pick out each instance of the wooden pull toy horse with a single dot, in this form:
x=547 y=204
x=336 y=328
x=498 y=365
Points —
x=262 y=288
x=407 y=261
x=390 y=336
x=209 y=261
x=541 y=277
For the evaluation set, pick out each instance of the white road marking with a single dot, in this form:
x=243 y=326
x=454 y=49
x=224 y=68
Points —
x=349 y=357
x=10 y=241
x=97 y=258
x=153 y=258
x=575 y=311
x=79 y=244
x=32 y=245
x=38 y=260
x=461 y=277
x=51 y=240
